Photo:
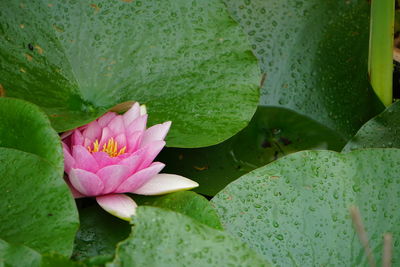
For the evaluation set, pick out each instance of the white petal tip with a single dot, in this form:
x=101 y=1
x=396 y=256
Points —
x=143 y=110
x=119 y=205
x=165 y=183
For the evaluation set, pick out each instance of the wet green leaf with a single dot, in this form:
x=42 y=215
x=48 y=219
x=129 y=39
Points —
x=23 y=126
x=273 y=132
x=56 y=260
x=314 y=54
x=99 y=233
x=37 y=208
x=99 y=260
x=295 y=211
x=36 y=203
x=188 y=61
x=186 y=202
x=21 y=256
x=381 y=131
x=166 y=238
x=18 y=255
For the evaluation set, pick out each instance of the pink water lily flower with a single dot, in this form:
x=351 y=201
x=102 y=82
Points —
x=114 y=155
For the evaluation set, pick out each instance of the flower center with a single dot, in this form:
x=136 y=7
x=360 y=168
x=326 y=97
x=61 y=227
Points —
x=111 y=148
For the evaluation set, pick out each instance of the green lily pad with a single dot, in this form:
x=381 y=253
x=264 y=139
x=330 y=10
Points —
x=37 y=208
x=381 y=131
x=57 y=260
x=295 y=211
x=188 y=61
x=23 y=126
x=186 y=202
x=314 y=56
x=273 y=132
x=98 y=234
x=99 y=260
x=18 y=255
x=166 y=238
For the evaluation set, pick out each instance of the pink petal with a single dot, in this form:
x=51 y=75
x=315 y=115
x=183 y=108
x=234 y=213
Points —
x=92 y=132
x=123 y=156
x=134 y=141
x=69 y=161
x=82 y=128
x=155 y=133
x=149 y=153
x=87 y=183
x=84 y=159
x=77 y=138
x=131 y=114
x=121 y=140
x=66 y=147
x=68 y=141
x=106 y=118
x=137 y=125
x=88 y=143
x=103 y=159
x=66 y=134
x=105 y=136
x=119 y=205
x=74 y=192
x=140 y=178
x=132 y=162
x=116 y=125
x=164 y=183
x=112 y=176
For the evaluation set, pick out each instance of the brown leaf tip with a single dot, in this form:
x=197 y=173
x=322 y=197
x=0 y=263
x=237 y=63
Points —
x=2 y=91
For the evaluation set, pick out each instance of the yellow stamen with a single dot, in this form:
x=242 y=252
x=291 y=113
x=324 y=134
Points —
x=111 y=148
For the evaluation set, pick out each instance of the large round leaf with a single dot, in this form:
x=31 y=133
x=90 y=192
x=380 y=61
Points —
x=57 y=260
x=295 y=211
x=165 y=238
x=381 y=131
x=99 y=233
x=18 y=255
x=186 y=202
x=37 y=208
x=25 y=127
x=273 y=132
x=187 y=60
x=314 y=57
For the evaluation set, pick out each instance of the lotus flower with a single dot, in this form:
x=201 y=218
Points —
x=114 y=155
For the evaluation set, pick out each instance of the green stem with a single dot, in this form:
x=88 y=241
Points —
x=380 y=62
